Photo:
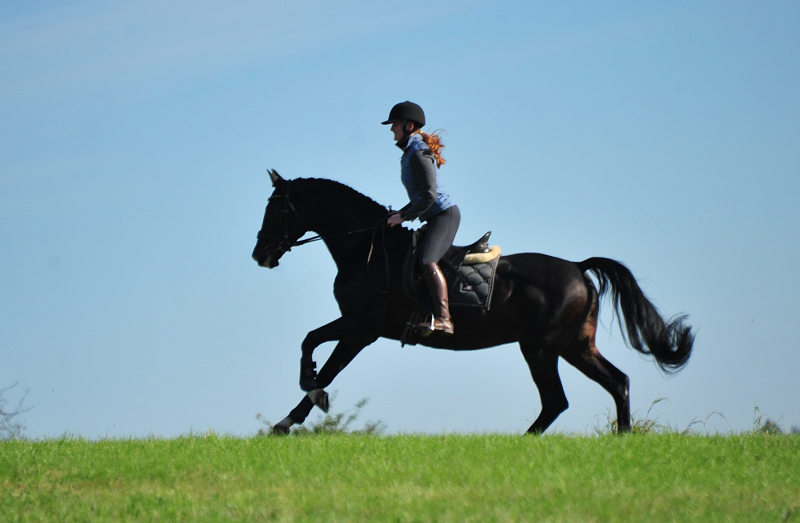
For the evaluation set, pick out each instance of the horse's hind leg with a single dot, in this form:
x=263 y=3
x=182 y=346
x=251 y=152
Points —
x=543 y=365
x=584 y=356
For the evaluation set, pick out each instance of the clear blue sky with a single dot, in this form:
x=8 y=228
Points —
x=134 y=143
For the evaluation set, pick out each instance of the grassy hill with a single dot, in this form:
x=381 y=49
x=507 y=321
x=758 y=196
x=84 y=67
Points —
x=349 y=477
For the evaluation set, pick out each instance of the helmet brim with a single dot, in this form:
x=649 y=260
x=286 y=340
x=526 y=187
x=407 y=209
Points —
x=406 y=111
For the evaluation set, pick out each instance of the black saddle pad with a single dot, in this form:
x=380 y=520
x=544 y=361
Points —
x=471 y=285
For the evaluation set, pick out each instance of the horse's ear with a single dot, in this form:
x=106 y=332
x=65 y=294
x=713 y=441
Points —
x=275 y=177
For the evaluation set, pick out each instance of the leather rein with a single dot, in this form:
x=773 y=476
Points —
x=285 y=245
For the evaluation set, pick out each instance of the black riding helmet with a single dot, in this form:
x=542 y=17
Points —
x=406 y=111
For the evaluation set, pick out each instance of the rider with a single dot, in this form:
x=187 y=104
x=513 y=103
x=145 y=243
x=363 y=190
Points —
x=428 y=202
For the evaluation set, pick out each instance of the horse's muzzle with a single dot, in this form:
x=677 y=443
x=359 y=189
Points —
x=267 y=259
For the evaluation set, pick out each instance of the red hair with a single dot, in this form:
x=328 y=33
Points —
x=434 y=143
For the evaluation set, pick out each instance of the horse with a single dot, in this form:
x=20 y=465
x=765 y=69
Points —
x=547 y=305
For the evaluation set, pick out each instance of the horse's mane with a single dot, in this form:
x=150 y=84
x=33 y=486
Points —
x=337 y=190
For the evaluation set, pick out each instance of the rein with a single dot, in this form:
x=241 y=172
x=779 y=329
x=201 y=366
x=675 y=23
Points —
x=286 y=245
x=348 y=233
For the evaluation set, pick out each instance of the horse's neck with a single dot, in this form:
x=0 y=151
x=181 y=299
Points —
x=335 y=217
x=344 y=223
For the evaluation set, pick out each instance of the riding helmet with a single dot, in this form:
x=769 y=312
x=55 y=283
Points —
x=406 y=111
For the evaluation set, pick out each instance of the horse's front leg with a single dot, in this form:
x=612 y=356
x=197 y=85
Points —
x=308 y=373
x=354 y=334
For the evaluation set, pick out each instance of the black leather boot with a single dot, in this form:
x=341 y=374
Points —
x=437 y=286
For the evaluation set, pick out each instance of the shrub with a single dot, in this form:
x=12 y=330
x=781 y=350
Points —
x=331 y=423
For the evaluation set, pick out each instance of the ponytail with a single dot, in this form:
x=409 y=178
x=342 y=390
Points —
x=434 y=143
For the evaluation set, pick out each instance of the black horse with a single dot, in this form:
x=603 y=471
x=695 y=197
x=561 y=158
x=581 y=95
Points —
x=548 y=305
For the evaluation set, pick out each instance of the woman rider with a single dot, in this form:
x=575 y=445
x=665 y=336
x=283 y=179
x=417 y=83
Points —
x=428 y=202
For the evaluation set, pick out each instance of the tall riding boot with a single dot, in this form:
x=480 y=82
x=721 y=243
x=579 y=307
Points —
x=437 y=286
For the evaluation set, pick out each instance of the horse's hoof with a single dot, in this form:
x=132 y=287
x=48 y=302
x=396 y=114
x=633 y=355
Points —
x=320 y=399
x=280 y=430
x=282 y=427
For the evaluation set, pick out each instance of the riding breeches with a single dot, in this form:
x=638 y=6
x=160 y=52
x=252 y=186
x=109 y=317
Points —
x=442 y=230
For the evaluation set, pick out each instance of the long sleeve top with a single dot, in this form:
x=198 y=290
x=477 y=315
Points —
x=419 y=175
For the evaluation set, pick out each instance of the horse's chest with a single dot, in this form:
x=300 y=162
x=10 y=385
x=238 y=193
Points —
x=350 y=293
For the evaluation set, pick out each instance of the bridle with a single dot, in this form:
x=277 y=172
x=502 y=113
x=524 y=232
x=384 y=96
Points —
x=284 y=243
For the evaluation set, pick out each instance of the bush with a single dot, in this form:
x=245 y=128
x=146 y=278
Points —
x=331 y=423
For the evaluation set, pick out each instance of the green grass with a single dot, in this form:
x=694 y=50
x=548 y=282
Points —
x=340 y=477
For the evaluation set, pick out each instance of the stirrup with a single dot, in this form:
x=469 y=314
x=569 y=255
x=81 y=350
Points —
x=426 y=329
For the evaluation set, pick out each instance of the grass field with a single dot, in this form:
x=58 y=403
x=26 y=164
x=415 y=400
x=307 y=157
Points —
x=656 y=477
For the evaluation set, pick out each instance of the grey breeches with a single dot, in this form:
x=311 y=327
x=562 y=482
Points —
x=442 y=230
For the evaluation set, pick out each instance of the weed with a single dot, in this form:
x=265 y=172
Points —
x=689 y=430
x=766 y=425
x=332 y=423
x=639 y=424
x=11 y=426
x=762 y=424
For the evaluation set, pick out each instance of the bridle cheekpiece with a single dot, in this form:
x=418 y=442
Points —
x=283 y=241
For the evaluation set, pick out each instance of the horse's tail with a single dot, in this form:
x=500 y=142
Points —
x=669 y=342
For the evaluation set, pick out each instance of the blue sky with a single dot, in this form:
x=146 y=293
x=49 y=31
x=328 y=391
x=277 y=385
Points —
x=134 y=143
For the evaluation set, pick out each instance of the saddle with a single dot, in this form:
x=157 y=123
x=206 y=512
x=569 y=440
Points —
x=469 y=271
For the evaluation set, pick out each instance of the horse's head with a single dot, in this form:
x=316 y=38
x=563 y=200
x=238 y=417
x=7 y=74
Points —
x=281 y=227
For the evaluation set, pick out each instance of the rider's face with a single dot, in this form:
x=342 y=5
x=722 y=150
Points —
x=397 y=130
